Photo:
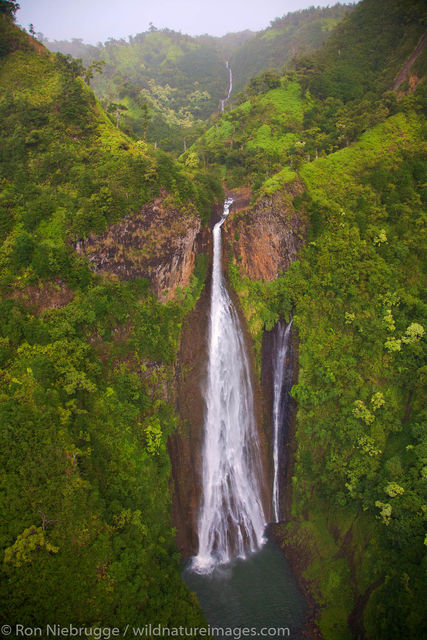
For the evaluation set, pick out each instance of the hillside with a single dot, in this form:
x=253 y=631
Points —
x=286 y=38
x=321 y=105
x=170 y=83
x=84 y=419
x=257 y=138
x=334 y=142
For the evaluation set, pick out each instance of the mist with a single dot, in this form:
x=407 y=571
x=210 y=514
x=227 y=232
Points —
x=96 y=20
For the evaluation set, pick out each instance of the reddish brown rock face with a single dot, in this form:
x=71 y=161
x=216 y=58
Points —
x=160 y=243
x=265 y=238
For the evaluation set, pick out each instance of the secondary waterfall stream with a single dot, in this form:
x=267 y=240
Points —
x=280 y=405
x=232 y=520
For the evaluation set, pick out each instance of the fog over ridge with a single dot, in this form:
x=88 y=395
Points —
x=97 y=20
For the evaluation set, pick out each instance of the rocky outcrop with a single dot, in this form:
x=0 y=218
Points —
x=160 y=243
x=264 y=239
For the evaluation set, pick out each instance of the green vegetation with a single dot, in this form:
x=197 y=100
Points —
x=255 y=139
x=357 y=294
x=282 y=121
x=365 y=51
x=85 y=465
x=170 y=83
x=358 y=485
x=286 y=38
x=86 y=529
x=358 y=298
x=67 y=171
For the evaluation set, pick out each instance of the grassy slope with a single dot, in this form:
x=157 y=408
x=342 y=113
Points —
x=326 y=103
x=85 y=482
x=359 y=309
x=253 y=140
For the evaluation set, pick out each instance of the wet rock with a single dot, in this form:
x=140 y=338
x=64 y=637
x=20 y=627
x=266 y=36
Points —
x=185 y=445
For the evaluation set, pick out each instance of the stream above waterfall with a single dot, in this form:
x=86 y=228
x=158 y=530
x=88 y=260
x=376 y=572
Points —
x=230 y=86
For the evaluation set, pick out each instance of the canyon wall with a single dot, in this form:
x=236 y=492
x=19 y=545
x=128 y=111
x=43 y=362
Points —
x=263 y=239
x=160 y=242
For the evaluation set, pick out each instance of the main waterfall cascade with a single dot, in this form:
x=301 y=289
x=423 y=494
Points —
x=280 y=402
x=231 y=521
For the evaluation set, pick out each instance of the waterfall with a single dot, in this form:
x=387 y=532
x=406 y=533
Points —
x=230 y=81
x=231 y=520
x=281 y=388
x=230 y=86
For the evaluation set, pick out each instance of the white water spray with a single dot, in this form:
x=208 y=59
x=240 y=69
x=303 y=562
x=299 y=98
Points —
x=279 y=406
x=231 y=520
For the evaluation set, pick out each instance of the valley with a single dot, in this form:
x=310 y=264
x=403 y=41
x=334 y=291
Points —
x=164 y=448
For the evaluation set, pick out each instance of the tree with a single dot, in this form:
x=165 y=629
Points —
x=69 y=65
x=8 y=9
x=145 y=118
x=115 y=107
x=97 y=66
x=264 y=82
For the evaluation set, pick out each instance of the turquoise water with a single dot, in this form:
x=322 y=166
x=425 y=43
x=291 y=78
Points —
x=258 y=593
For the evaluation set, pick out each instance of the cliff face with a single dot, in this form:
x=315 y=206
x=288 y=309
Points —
x=160 y=243
x=185 y=444
x=265 y=239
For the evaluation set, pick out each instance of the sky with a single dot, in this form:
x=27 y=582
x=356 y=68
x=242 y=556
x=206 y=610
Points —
x=97 y=20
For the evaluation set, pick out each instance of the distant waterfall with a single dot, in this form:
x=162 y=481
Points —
x=231 y=520
x=230 y=86
x=280 y=405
